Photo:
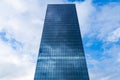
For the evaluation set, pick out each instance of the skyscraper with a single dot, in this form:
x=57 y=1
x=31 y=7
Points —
x=61 y=55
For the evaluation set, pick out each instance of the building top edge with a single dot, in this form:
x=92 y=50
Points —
x=61 y=4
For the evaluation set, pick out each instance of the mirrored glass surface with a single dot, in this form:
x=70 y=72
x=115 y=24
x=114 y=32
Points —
x=61 y=55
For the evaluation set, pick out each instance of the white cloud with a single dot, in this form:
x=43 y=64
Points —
x=84 y=10
x=17 y=22
x=114 y=36
x=103 y=21
x=108 y=66
x=13 y=64
x=19 y=5
x=103 y=25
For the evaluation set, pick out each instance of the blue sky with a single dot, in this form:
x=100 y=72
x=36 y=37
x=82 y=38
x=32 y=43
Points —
x=21 y=27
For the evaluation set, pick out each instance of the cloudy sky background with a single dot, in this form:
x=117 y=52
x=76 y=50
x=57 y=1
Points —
x=21 y=24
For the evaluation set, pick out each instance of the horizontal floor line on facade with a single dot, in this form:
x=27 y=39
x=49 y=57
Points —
x=61 y=57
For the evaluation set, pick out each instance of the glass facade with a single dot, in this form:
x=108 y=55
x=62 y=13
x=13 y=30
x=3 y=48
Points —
x=61 y=55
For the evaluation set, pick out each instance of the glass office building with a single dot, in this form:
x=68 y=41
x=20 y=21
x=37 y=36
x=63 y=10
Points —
x=61 y=55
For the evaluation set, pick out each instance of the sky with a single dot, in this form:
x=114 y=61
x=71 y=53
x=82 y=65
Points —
x=21 y=24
